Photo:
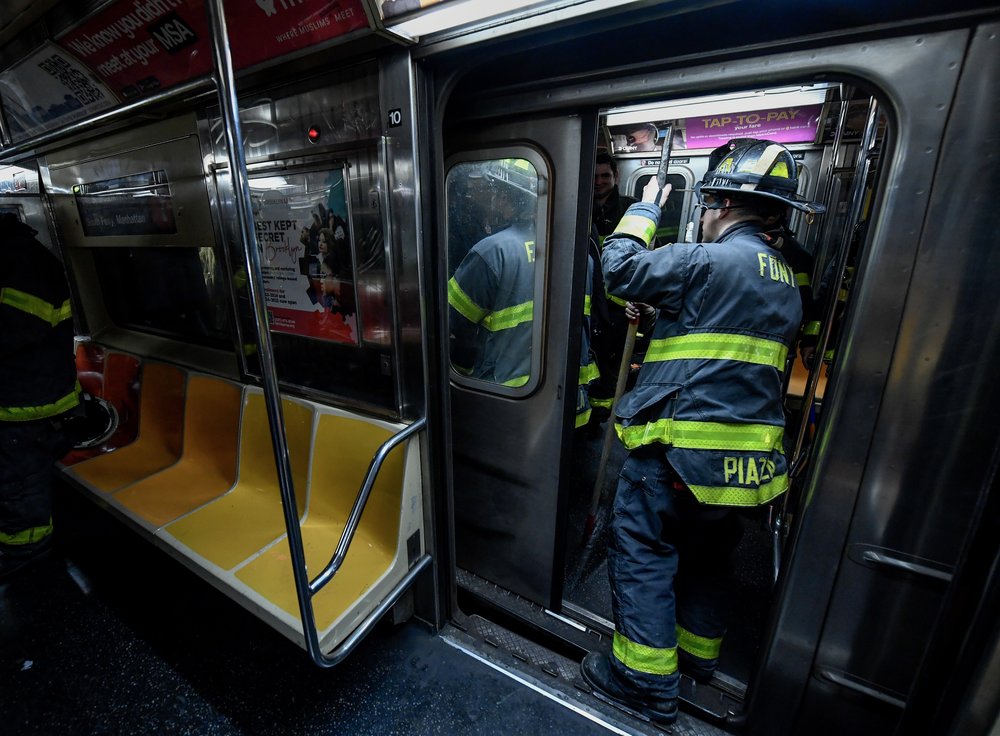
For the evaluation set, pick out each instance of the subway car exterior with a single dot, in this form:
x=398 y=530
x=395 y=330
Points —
x=260 y=207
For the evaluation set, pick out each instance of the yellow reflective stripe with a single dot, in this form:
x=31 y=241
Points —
x=589 y=372
x=586 y=305
x=639 y=657
x=638 y=227
x=504 y=319
x=515 y=382
x=601 y=403
x=582 y=418
x=464 y=305
x=739 y=496
x=29 y=413
x=689 y=435
x=719 y=346
x=26 y=536
x=36 y=307
x=616 y=300
x=802 y=279
x=811 y=328
x=842 y=295
x=699 y=646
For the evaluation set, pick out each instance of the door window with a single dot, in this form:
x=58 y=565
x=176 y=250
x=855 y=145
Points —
x=495 y=269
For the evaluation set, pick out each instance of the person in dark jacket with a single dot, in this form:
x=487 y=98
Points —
x=38 y=387
x=491 y=294
x=703 y=425
x=609 y=315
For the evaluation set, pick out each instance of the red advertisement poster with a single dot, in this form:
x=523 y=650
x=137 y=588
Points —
x=307 y=260
x=139 y=46
x=266 y=29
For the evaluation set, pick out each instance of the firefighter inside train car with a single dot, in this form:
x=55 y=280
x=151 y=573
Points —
x=703 y=425
x=491 y=294
x=37 y=388
x=783 y=239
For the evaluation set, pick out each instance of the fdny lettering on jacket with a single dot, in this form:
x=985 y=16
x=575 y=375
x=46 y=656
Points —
x=775 y=268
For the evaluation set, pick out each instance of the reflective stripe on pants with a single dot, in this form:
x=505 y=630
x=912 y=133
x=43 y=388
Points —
x=669 y=565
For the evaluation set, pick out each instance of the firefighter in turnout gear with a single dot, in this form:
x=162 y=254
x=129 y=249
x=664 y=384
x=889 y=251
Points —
x=491 y=294
x=38 y=388
x=703 y=425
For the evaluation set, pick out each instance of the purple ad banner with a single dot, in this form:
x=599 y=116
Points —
x=782 y=125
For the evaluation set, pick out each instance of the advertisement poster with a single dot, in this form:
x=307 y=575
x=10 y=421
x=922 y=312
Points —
x=781 y=125
x=307 y=260
x=645 y=136
x=266 y=29
x=798 y=124
x=139 y=46
x=50 y=89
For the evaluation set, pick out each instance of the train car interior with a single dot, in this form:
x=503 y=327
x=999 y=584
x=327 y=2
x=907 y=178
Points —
x=262 y=252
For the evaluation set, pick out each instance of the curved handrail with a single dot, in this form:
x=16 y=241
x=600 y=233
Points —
x=359 y=505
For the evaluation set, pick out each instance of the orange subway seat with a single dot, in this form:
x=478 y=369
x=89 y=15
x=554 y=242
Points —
x=207 y=466
x=158 y=444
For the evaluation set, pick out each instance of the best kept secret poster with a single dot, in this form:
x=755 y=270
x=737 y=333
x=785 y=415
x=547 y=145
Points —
x=307 y=261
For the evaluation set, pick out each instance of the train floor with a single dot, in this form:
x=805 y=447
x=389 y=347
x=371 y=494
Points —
x=587 y=585
x=108 y=635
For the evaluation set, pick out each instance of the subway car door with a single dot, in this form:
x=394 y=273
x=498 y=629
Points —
x=516 y=269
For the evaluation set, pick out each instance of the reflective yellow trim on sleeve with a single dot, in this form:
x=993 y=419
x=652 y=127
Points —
x=586 y=305
x=30 y=413
x=698 y=646
x=689 y=435
x=617 y=300
x=504 y=319
x=739 y=496
x=802 y=279
x=516 y=382
x=463 y=304
x=639 y=657
x=639 y=227
x=601 y=403
x=582 y=418
x=589 y=372
x=719 y=346
x=811 y=328
x=36 y=307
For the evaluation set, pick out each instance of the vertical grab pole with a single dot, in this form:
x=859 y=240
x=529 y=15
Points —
x=865 y=152
x=226 y=88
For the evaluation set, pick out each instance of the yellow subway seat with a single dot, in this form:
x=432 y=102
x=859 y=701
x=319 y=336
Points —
x=344 y=448
x=158 y=442
x=207 y=466
x=251 y=513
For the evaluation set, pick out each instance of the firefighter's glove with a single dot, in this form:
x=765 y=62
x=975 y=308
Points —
x=652 y=192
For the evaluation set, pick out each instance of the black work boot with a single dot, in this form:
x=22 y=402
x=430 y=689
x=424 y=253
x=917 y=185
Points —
x=597 y=672
x=697 y=669
x=14 y=558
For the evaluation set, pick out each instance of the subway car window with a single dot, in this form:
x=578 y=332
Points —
x=493 y=249
x=174 y=292
x=670 y=228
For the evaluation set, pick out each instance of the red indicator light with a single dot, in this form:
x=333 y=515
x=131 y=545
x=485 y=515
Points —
x=313 y=134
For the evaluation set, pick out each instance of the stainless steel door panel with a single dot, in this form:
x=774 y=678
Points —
x=507 y=453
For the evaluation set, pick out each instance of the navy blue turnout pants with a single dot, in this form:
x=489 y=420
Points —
x=669 y=562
